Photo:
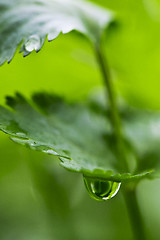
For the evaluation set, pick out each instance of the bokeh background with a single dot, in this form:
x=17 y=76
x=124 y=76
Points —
x=39 y=200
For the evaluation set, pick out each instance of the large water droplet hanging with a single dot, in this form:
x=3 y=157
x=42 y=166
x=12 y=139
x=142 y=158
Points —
x=101 y=190
x=33 y=43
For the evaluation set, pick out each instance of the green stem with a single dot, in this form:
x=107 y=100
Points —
x=130 y=195
x=115 y=119
x=110 y=90
x=134 y=214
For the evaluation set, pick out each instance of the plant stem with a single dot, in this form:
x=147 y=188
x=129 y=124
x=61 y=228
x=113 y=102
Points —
x=129 y=193
x=134 y=214
x=115 y=119
x=110 y=89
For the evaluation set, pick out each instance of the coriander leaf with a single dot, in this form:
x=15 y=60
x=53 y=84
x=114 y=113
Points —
x=29 y=21
x=142 y=128
x=73 y=132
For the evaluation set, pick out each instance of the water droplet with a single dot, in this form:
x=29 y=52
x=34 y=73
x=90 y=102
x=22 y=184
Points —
x=101 y=190
x=33 y=43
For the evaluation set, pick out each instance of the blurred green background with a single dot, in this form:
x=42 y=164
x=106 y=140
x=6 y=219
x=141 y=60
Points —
x=38 y=199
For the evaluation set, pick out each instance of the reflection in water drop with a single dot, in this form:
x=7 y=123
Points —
x=101 y=190
x=33 y=43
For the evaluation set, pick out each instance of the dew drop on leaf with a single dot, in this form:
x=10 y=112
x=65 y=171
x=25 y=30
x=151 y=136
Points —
x=101 y=190
x=33 y=43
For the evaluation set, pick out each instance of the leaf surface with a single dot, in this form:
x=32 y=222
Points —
x=29 y=21
x=142 y=128
x=75 y=133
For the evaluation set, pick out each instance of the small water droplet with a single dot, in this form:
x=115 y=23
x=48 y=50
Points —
x=33 y=43
x=101 y=190
x=21 y=135
x=50 y=151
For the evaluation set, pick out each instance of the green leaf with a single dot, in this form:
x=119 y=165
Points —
x=75 y=133
x=142 y=128
x=29 y=21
